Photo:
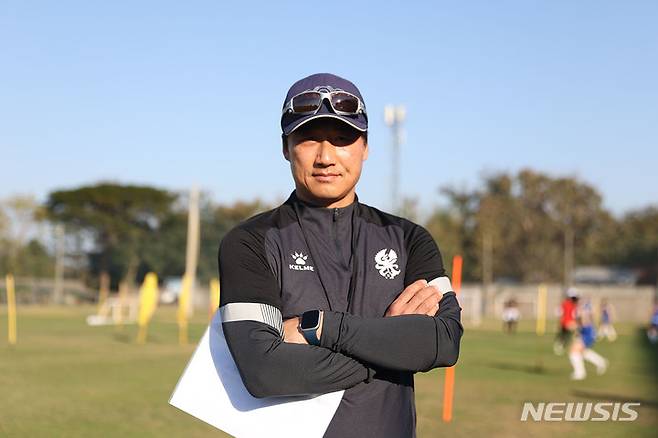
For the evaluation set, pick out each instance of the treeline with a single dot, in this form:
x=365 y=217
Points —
x=526 y=226
x=122 y=230
x=532 y=227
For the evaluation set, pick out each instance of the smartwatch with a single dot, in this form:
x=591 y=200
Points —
x=309 y=325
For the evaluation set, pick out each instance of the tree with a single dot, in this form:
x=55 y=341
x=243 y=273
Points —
x=638 y=242
x=522 y=226
x=445 y=227
x=454 y=228
x=216 y=221
x=498 y=222
x=576 y=208
x=119 y=218
x=19 y=215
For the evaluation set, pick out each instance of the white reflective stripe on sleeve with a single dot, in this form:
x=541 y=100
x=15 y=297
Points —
x=442 y=283
x=260 y=312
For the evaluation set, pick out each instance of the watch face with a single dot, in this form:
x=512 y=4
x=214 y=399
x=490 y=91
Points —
x=310 y=319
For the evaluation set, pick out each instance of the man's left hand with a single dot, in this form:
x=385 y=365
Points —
x=293 y=335
x=291 y=332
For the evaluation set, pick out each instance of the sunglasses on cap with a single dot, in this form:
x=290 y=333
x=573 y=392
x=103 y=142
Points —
x=310 y=102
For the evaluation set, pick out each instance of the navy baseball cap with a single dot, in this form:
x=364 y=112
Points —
x=291 y=121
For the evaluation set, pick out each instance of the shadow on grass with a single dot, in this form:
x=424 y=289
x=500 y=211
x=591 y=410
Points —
x=127 y=338
x=124 y=338
x=649 y=357
x=650 y=350
x=537 y=368
x=130 y=337
x=593 y=395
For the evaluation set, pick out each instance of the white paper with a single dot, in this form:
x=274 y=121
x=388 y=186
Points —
x=211 y=390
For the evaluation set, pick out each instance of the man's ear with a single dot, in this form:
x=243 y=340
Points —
x=365 y=151
x=284 y=145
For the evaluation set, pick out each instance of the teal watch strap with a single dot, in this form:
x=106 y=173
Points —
x=311 y=336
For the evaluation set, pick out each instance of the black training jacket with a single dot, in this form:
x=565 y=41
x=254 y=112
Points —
x=352 y=263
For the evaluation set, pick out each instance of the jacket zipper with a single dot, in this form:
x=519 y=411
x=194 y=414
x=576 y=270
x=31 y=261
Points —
x=336 y=240
x=355 y=265
x=352 y=285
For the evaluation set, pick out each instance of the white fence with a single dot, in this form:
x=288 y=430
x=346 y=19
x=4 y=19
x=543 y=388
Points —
x=630 y=303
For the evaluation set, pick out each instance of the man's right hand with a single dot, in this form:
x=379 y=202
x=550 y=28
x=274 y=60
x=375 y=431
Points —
x=416 y=299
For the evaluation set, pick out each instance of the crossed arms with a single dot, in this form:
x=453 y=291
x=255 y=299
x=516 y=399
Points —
x=273 y=361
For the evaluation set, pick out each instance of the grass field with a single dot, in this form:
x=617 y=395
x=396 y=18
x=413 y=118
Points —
x=65 y=379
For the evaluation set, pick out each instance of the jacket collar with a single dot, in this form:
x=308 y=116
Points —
x=294 y=199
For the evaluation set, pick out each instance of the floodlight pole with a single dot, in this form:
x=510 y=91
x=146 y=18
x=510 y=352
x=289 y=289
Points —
x=58 y=291
x=394 y=117
x=192 y=251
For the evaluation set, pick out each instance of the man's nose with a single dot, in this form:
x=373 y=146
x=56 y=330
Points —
x=326 y=153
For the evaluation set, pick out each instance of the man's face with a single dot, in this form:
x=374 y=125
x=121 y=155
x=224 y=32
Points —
x=326 y=157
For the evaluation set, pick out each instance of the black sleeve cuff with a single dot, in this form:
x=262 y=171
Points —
x=330 y=338
x=331 y=327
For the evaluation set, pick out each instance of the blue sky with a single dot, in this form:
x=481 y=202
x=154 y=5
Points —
x=176 y=93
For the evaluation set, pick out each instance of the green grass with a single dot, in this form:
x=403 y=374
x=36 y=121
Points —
x=66 y=379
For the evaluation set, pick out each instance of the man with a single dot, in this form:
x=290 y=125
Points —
x=511 y=316
x=568 y=323
x=652 y=330
x=606 y=328
x=587 y=340
x=325 y=293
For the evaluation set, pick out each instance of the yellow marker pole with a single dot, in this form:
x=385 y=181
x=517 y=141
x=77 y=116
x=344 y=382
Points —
x=11 y=308
x=214 y=297
x=183 y=307
x=542 y=292
x=148 y=301
x=449 y=386
x=103 y=292
x=123 y=296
